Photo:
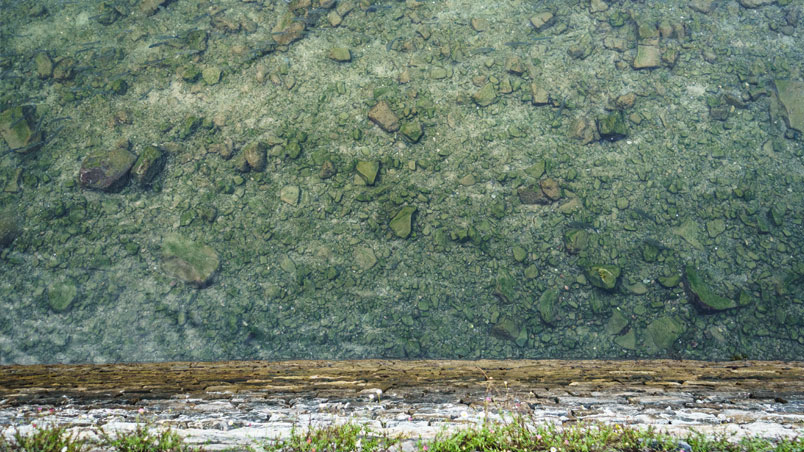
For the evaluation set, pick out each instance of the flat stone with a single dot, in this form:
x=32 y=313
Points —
x=791 y=95
x=538 y=95
x=412 y=130
x=340 y=54
x=617 y=322
x=485 y=96
x=368 y=170
x=60 y=295
x=603 y=276
x=402 y=222
x=548 y=305
x=755 y=3
x=211 y=75
x=148 y=165
x=364 y=257
x=189 y=261
x=290 y=194
x=18 y=129
x=715 y=227
x=664 y=331
x=701 y=295
x=254 y=154
x=382 y=115
x=648 y=57
x=627 y=340
x=103 y=169
x=9 y=229
x=542 y=20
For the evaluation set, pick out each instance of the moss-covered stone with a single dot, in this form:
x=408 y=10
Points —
x=663 y=331
x=612 y=126
x=627 y=340
x=402 y=221
x=509 y=329
x=9 y=228
x=364 y=257
x=485 y=96
x=340 y=54
x=701 y=295
x=255 y=156
x=603 y=276
x=575 y=240
x=548 y=305
x=148 y=165
x=60 y=295
x=105 y=169
x=290 y=194
x=412 y=130
x=368 y=170
x=189 y=261
x=791 y=96
x=617 y=322
x=18 y=129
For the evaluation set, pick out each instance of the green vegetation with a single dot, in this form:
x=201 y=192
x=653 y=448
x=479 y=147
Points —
x=520 y=434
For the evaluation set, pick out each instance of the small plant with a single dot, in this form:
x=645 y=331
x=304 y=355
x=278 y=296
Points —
x=336 y=438
x=143 y=439
x=44 y=439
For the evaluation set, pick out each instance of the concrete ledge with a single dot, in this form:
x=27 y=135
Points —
x=233 y=403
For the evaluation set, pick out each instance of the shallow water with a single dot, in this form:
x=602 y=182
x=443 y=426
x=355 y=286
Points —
x=451 y=179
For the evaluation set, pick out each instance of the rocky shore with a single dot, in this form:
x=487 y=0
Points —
x=244 y=403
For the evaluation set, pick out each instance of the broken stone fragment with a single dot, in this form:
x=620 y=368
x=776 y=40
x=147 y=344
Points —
x=791 y=96
x=368 y=170
x=18 y=128
x=701 y=295
x=485 y=96
x=340 y=54
x=191 y=262
x=539 y=95
x=648 y=57
x=542 y=20
x=254 y=154
x=401 y=223
x=382 y=115
x=105 y=169
x=148 y=165
x=412 y=130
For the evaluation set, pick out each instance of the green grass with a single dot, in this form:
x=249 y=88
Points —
x=518 y=435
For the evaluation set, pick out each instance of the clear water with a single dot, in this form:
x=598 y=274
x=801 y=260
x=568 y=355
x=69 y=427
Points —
x=651 y=148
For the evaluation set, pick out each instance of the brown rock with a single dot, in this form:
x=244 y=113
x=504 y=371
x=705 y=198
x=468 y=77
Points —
x=382 y=115
x=584 y=130
x=255 y=155
x=529 y=195
x=550 y=188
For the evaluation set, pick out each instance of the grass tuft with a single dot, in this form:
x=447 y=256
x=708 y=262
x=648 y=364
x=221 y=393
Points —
x=335 y=438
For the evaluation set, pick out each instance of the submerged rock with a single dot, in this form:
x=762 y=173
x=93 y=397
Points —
x=382 y=115
x=701 y=295
x=148 y=165
x=18 y=129
x=60 y=295
x=401 y=223
x=603 y=276
x=663 y=331
x=791 y=95
x=367 y=170
x=548 y=306
x=191 y=262
x=485 y=96
x=9 y=229
x=612 y=126
x=103 y=169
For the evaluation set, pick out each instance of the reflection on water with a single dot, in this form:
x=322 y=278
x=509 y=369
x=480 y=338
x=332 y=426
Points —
x=457 y=179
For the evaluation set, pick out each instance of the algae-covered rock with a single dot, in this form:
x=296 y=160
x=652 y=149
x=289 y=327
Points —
x=617 y=322
x=60 y=295
x=340 y=54
x=485 y=96
x=104 y=169
x=701 y=295
x=18 y=129
x=575 y=240
x=412 y=130
x=509 y=329
x=548 y=305
x=791 y=96
x=254 y=154
x=9 y=229
x=612 y=126
x=382 y=115
x=148 y=165
x=627 y=340
x=364 y=257
x=663 y=331
x=290 y=194
x=368 y=170
x=189 y=261
x=648 y=57
x=603 y=276
x=401 y=223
